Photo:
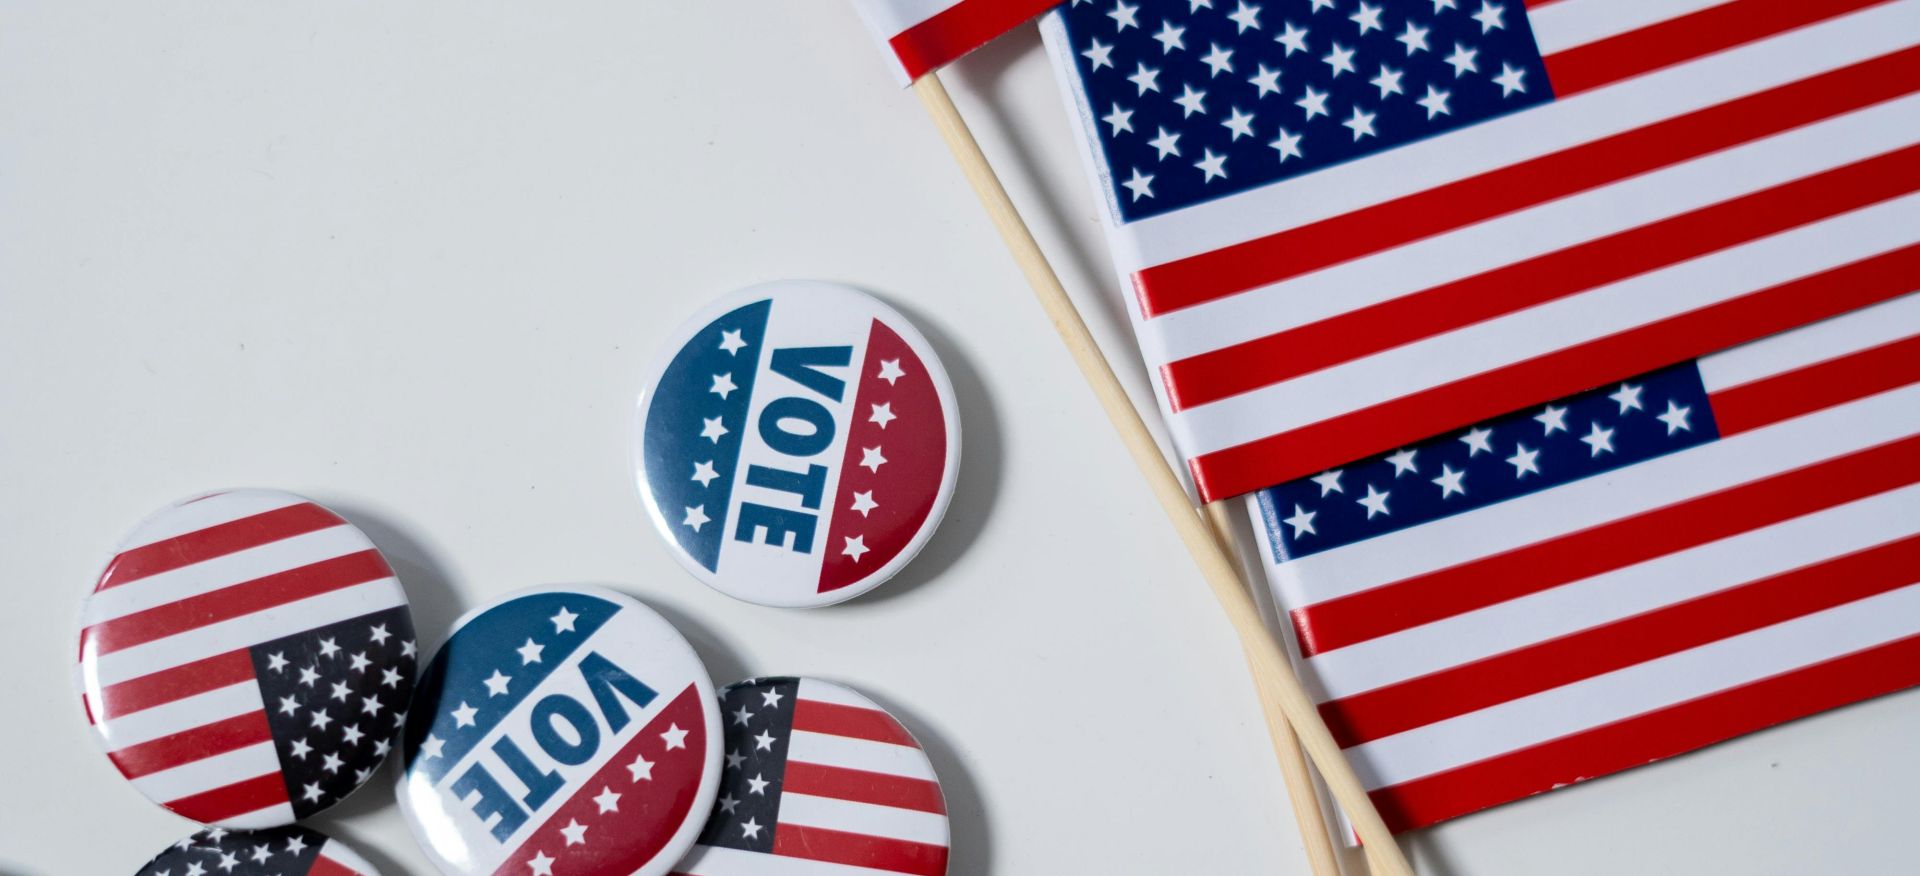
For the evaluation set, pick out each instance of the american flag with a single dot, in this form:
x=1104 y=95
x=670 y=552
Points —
x=247 y=658
x=1350 y=224
x=279 y=851
x=819 y=780
x=1621 y=575
x=920 y=36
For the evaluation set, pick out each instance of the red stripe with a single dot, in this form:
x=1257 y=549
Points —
x=227 y=801
x=216 y=541
x=959 y=29
x=239 y=599
x=1689 y=36
x=1512 y=288
x=1337 y=440
x=859 y=850
x=1823 y=385
x=325 y=866
x=1444 y=593
x=839 y=720
x=1219 y=273
x=1658 y=734
x=862 y=786
x=1470 y=687
x=187 y=746
x=167 y=685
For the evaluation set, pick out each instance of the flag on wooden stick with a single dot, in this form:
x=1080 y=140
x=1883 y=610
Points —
x=1350 y=224
x=1593 y=583
x=920 y=36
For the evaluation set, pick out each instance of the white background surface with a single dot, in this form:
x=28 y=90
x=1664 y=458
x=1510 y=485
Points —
x=411 y=259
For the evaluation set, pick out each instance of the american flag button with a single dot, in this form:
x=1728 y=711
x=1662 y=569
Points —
x=819 y=780
x=561 y=730
x=245 y=658
x=798 y=444
x=289 y=850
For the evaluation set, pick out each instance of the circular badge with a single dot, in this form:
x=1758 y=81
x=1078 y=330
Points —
x=281 y=851
x=798 y=445
x=246 y=658
x=561 y=730
x=816 y=771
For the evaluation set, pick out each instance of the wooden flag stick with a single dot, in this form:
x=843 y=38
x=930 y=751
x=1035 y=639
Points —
x=1286 y=746
x=1271 y=670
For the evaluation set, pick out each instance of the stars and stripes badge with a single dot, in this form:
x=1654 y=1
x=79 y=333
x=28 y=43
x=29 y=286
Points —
x=1590 y=584
x=561 y=731
x=798 y=445
x=818 y=780
x=278 y=851
x=246 y=658
x=1351 y=224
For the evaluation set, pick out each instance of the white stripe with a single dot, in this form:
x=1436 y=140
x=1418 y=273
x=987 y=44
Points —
x=272 y=816
x=888 y=18
x=223 y=571
x=1618 y=594
x=182 y=714
x=1850 y=332
x=891 y=822
x=1638 y=689
x=1568 y=23
x=722 y=861
x=209 y=511
x=1419 y=166
x=245 y=631
x=859 y=754
x=1557 y=325
x=827 y=692
x=1536 y=231
x=1524 y=520
x=209 y=773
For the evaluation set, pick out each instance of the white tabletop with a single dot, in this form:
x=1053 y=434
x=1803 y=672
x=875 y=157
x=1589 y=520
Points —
x=411 y=259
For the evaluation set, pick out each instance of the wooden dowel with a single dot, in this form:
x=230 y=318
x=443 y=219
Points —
x=1307 y=815
x=1271 y=670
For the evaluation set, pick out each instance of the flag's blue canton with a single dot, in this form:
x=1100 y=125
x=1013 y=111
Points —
x=695 y=424
x=1201 y=98
x=280 y=851
x=523 y=640
x=1512 y=455
x=336 y=697
x=758 y=716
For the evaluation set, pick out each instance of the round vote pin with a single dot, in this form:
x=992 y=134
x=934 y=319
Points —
x=246 y=657
x=798 y=445
x=276 y=851
x=561 y=730
x=818 y=778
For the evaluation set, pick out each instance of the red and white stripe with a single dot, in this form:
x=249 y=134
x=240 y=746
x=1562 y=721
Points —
x=1711 y=172
x=165 y=671
x=337 y=859
x=858 y=797
x=1616 y=620
x=920 y=36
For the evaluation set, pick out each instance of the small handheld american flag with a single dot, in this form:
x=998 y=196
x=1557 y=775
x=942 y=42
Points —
x=1350 y=224
x=920 y=36
x=1585 y=585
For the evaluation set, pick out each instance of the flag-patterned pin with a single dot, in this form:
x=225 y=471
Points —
x=561 y=731
x=819 y=780
x=246 y=658
x=798 y=445
x=280 y=851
